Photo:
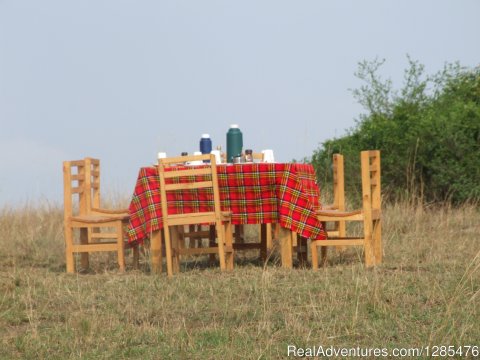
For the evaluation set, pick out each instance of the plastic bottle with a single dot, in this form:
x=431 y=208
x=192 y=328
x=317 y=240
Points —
x=205 y=144
x=234 y=142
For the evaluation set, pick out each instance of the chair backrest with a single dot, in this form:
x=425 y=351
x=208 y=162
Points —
x=81 y=180
x=195 y=179
x=338 y=182
x=257 y=157
x=371 y=184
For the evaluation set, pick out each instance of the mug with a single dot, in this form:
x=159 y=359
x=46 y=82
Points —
x=268 y=156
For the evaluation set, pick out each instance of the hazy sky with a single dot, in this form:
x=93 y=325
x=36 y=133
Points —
x=122 y=80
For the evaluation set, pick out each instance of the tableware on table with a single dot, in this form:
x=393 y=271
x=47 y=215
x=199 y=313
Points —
x=268 y=156
x=161 y=155
x=218 y=156
x=237 y=160
x=234 y=142
x=205 y=144
x=249 y=156
x=195 y=162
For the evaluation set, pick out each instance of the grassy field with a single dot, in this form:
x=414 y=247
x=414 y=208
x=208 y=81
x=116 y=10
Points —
x=426 y=293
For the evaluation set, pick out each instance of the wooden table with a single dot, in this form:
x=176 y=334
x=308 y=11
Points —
x=259 y=193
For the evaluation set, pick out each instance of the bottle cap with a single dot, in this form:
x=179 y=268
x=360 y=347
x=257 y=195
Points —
x=205 y=136
x=234 y=126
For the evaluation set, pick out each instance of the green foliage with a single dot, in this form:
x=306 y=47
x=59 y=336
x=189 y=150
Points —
x=428 y=132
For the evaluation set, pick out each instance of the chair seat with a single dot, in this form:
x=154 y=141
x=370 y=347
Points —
x=99 y=219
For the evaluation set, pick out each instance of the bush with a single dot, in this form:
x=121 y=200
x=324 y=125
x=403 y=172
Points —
x=428 y=132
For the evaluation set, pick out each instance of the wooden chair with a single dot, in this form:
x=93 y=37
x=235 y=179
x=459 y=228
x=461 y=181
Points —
x=265 y=231
x=370 y=215
x=199 y=177
x=99 y=229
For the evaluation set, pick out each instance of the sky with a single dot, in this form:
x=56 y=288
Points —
x=122 y=80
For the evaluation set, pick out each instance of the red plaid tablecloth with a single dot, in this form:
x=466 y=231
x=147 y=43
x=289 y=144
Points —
x=256 y=193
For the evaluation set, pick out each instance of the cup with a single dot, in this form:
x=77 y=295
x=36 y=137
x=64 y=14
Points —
x=162 y=155
x=268 y=156
x=218 y=157
x=196 y=162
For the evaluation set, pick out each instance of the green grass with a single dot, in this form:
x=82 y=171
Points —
x=427 y=292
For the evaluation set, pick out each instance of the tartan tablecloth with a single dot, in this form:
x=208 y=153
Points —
x=255 y=193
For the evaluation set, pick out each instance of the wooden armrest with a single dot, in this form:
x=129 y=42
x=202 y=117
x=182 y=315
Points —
x=109 y=211
x=329 y=207
x=354 y=215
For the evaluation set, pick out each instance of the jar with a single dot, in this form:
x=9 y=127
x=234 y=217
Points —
x=248 y=156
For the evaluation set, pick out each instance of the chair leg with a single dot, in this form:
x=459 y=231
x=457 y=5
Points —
x=341 y=228
x=176 y=244
x=221 y=243
x=229 y=246
x=120 y=247
x=168 y=251
x=211 y=240
x=369 y=251
x=70 y=261
x=84 y=258
x=324 y=251
x=136 y=257
x=314 y=252
x=377 y=238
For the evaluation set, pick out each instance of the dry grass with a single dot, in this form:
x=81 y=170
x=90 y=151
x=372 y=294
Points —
x=425 y=293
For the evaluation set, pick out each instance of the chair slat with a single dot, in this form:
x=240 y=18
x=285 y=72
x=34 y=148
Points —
x=77 y=177
x=77 y=190
x=188 y=186
x=186 y=172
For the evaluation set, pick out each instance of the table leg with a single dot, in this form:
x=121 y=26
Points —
x=156 y=250
x=302 y=253
x=285 y=236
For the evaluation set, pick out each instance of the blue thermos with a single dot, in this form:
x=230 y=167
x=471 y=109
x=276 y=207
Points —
x=206 y=144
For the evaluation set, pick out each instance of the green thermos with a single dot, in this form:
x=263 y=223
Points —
x=234 y=143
